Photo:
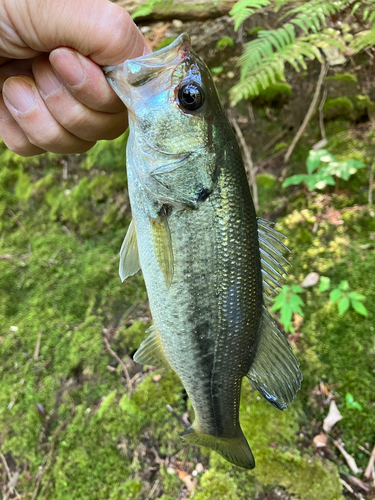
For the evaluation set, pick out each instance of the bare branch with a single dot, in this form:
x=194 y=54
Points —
x=249 y=165
x=309 y=113
x=121 y=363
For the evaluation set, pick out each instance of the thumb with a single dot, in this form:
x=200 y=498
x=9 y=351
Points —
x=98 y=29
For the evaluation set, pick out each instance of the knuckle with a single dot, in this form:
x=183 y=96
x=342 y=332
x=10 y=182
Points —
x=47 y=139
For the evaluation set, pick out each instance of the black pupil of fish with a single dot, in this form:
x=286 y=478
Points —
x=191 y=96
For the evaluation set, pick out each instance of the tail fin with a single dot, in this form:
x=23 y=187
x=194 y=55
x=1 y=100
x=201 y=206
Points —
x=235 y=450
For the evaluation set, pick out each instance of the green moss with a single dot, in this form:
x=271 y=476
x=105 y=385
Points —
x=342 y=77
x=276 y=92
x=338 y=106
x=267 y=181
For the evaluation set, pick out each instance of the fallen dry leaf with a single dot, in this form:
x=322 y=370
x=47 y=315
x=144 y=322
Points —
x=188 y=479
x=320 y=441
x=310 y=280
x=297 y=321
x=370 y=466
x=332 y=418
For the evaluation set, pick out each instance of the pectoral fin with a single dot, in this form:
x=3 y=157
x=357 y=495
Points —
x=129 y=258
x=150 y=351
x=275 y=371
x=161 y=238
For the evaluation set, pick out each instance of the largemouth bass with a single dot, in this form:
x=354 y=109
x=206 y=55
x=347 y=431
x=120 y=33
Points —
x=209 y=264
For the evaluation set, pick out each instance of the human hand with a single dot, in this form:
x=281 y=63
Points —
x=54 y=94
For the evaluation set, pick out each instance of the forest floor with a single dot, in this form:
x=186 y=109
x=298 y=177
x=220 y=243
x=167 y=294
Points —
x=79 y=419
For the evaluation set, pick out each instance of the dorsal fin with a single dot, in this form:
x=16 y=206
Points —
x=129 y=258
x=275 y=371
x=272 y=259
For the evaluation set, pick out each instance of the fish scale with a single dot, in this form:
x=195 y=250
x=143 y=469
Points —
x=204 y=254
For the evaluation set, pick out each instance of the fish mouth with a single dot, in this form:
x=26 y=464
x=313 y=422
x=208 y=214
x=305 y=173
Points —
x=137 y=72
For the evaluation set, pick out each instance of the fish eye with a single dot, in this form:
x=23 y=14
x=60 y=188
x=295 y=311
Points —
x=190 y=96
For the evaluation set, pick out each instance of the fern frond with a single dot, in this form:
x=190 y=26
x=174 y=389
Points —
x=325 y=39
x=264 y=46
x=270 y=69
x=363 y=40
x=246 y=8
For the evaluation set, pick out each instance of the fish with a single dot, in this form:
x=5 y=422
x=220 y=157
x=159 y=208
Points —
x=210 y=265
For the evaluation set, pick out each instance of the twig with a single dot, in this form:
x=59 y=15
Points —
x=18 y=222
x=7 y=470
x=360 y=484
x=370 y=465
x=153 y=489
x=12 y=479
x=37 y=346
x=261 y=164
x=249 y=165
x=121 y=363
x=39 y=477
x=47 y=458
x=309 y=113
x=177 y=416
x=347 y=486
x=363 y=449
x=371 y=185
x=349 y=459
x=321 y=116
x=274 y=139
x=251 y=113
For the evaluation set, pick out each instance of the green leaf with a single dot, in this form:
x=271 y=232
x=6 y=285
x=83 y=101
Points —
x=316 y=157
x=319 y=180
x=334 y=295
x=296 y=288
x=344 y=285
x=294 y=179
x=351 y=404
x=343 y=305
x=325 y=284
x=349 y=399
x=344 y=169
x=356 y=296
x=224 y=42
x=359 y=308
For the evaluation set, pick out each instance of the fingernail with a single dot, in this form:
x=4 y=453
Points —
x=48 y=83
x=19 y=93
x=68 y=65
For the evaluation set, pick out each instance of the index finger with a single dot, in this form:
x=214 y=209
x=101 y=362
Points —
x=100 y=30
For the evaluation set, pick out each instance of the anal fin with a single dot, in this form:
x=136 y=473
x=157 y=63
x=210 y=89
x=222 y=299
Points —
x=150 y=352
x=275 y=371
x=129 y=258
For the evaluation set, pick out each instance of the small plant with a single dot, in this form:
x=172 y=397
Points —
x=322 y=167
x=344 y=297
x=225 y=42
x=351 y=404
x=217 y=70
x=288 y=302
